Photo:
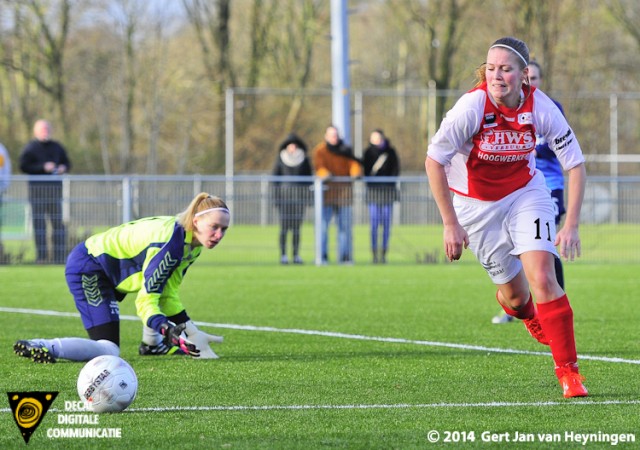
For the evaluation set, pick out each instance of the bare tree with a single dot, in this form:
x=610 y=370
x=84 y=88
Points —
x=44 y=26
x=441 y=24
x=537 y=22
x=293 y=45
x=127 y=22
x=627 y=12
x=210 y=21
x=262 y=19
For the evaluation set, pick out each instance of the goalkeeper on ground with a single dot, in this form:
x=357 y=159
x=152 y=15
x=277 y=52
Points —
x=148 y=257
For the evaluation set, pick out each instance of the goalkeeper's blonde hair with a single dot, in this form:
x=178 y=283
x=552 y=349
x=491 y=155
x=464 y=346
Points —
x=200 y=202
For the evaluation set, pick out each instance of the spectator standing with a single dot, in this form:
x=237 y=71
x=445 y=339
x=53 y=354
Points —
x=332 y=158
x=292 y=196
x=5 y=180
x=45 y=157
x=380 y=160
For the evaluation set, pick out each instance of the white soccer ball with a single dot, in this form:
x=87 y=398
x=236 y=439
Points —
x=107 y=384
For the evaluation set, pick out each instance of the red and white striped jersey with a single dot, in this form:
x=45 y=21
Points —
x=487 y=150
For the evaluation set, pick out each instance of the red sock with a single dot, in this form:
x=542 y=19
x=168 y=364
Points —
x=526 y=312
x=556 y=318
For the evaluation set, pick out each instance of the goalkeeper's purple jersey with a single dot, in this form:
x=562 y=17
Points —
x=149 y=256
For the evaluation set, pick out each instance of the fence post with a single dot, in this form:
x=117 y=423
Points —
x=66 y=200
x=264 y=201
x=613 y=136
x=432 y=97
x=197 y=184
x=358 y=139
x=317 y=205
x=229 y=143
x=126 y=199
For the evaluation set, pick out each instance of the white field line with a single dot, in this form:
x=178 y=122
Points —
x=374 y=406
x=389 y=406
x=340 y=335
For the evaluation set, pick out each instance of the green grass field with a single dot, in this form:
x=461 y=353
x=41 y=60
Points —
x=253 y=244
x=343 y=357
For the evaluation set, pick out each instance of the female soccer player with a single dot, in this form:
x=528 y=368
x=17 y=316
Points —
x=148 y=257
x=501 y=208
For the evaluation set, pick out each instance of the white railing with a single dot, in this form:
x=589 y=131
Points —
x=92 y=203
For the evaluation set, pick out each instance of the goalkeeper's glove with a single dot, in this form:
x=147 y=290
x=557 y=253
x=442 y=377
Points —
x=202 y=340
x=172 y=336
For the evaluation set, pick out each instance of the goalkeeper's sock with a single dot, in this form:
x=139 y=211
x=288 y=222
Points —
x=150 y=336
x=81 y=349
x=526 y=312
x=153 y=344
x=556 y=318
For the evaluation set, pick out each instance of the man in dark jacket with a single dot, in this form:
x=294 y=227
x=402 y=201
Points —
x=43 y=156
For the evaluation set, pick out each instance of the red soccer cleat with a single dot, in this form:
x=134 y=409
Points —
x=571 y=382
x=535 y=329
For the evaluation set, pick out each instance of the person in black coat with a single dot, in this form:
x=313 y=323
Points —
x=292 y=196
x=43 y=156
x=380 y=160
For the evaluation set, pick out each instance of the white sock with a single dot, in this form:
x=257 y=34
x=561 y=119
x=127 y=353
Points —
x=150 y=336
x=80 y=349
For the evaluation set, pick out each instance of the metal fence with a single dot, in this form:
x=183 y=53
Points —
x=604 y=122
x=610 y=216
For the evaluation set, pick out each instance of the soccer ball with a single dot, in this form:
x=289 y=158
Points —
x=107 y=383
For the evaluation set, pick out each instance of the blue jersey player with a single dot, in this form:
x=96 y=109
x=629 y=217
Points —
x=148 y=257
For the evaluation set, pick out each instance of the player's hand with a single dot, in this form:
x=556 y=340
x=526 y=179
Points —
x=208 y=338
x=568 y=243
x=202 y=340
x=172 y=335
x=455 y=240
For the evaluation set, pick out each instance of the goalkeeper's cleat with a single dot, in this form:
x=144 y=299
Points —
x=36 y=351
x=502 y=318
x=571 y=381
x=159 y=350
x=535 y=330
x=22 y=348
